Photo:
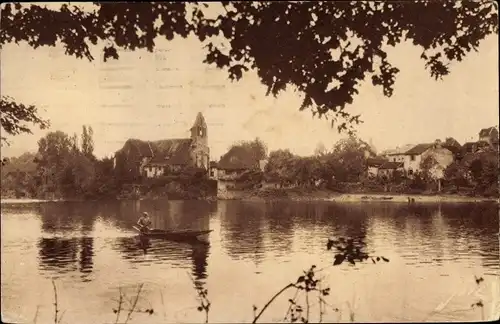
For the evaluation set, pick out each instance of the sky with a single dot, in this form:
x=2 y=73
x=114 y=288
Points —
x=154 y=96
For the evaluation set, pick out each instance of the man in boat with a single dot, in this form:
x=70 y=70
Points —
x=144 y=223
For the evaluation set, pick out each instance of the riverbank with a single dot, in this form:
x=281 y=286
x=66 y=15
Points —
x=309 y=196
x=26 y=201
x=325 y=195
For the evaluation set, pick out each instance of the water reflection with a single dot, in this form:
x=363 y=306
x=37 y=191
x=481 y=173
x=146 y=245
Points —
x=70 y=245
x=83 y=241
x=252 y=230
x=147 y=252
x=242 y=226
x=72 y=249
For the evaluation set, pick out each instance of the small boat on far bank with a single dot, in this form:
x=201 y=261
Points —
x=183 y=235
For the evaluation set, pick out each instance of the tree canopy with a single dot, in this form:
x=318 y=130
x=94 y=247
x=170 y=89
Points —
x=322 y=49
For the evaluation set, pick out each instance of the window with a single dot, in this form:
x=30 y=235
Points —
x=410 y=172
x=412 y=157
x=200 y=131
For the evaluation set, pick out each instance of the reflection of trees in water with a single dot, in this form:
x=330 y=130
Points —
x=86 y=254
x=435 y=232
x=68 y=219
x=280 y=225
x=61 y=255
x=474 y=229
x=164 y=251
x=165 y=214
x=242 y=225
x=68 y=216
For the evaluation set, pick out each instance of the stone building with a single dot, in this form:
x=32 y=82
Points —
x=153 y=159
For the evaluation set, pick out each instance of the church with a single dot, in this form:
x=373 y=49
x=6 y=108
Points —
x=153 y=159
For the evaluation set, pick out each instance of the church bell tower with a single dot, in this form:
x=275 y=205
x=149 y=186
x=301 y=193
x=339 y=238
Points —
x=199 y=137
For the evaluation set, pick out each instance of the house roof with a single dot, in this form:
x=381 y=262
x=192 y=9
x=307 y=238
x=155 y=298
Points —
x=238 y=158
x=213 y=164
x=398 y=150
x=391 y=165
x=486 y=131
x=376 y=162
x=418 y=149
x=171 y=151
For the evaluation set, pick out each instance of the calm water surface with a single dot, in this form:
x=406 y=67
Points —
x=255 y=249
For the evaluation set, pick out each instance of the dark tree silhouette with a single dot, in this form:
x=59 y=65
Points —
x=322 y=49
x=14 y=118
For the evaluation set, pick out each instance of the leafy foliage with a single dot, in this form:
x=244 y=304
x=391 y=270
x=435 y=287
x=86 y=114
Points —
x=322 y=49
x=63 y=169
x=351 y=250
x=456 y=174
x=427 y=166
x=346 y=162
x=15 y=117
x=255 y=150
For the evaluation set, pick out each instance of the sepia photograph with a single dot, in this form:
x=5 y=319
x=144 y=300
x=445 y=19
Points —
x=249 y=162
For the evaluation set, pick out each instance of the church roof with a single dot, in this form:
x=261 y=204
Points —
x=143 y=147
x=169 y=151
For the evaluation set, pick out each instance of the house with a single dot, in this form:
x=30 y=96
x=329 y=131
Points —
x=152 y=159
x=388 y=168
x=489 y=135
x=373 y=165
x=236 y=164
x=441 y=154
x=397 y=154
x=475 y=147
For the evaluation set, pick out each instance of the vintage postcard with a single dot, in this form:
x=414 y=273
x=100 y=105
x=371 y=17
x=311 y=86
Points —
x=253 y=162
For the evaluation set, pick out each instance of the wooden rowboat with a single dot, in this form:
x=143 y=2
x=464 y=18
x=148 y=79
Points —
x=184 y=235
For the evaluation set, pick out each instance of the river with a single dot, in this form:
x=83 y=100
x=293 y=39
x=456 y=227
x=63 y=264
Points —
x=89 y=251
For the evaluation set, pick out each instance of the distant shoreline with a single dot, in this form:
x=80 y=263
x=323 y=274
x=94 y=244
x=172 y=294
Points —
x=399 y=198
x=27 y=201
x=314 y=196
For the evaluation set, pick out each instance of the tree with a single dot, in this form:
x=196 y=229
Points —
x=428 y=166
x=280 y=166
x=349 y=157
x=323 y=49
x=17 y=176
x=63 y=169
x=88 y=142
x=456 y=174
x=320 y=149
x=54 y=149
x=484 y=172
x=450 y=141
x=257 y=149
x=15 y=118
